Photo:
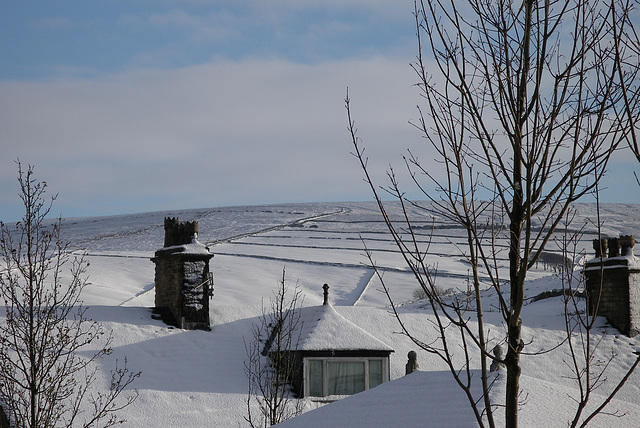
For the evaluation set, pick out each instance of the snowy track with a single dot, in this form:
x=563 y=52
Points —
x=295 y=223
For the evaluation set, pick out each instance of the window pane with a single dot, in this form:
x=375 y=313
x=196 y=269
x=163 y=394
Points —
x=375 y=373
x=315 y=378
x=345 y=378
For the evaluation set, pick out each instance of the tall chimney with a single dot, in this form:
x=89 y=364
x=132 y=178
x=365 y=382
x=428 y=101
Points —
x=183 y=283
x=613 y=284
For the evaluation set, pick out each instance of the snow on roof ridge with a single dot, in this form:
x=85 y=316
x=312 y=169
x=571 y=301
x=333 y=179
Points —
x=194 y=247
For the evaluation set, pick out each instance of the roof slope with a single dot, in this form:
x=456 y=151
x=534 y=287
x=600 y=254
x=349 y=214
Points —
x=419 y=399
x=323 y=328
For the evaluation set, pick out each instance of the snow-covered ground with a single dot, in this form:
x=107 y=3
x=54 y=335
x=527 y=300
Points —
x=196 y=378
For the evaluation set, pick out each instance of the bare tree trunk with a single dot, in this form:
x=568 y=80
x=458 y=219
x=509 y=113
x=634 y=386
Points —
x=514 y=332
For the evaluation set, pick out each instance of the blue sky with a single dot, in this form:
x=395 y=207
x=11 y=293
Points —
x=130 y=106
x=44 y=38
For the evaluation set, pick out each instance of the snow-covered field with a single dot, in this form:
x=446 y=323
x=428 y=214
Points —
x=196 y=378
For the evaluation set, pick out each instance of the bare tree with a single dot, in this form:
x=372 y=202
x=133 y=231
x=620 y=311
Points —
x=270 y=365
x=525 y=104
x=44 y=381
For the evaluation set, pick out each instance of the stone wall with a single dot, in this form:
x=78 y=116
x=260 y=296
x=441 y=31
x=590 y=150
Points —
x=613 y=284
x=168 y=279
x=4 y=420
x=195 y=294
x=634 y=304
x=182 y=281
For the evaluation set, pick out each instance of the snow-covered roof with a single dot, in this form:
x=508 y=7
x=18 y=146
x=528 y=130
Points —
x=630 y=262
x=195 y=247
x=323 y=328
x=419 y=399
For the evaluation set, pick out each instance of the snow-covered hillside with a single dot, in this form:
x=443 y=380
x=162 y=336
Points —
x=196 y=378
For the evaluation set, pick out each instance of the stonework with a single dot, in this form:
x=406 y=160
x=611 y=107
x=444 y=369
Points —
x=4 y=420
x=183 y=282
x=498 y=359
x=613 y=283
x=412 y=363
x=179 y=233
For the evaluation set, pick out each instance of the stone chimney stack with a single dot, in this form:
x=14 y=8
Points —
x=613 y=283
x=626 y=244
x=183 y=282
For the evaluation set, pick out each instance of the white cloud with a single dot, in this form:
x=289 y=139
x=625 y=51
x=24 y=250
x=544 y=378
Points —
x=223 y=133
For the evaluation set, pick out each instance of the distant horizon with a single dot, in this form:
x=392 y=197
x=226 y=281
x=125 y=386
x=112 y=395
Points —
x=98 y=215
x=51 y=216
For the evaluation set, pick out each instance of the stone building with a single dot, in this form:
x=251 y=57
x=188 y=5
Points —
x=4 y=420
x=183 y=282
x=613 y=283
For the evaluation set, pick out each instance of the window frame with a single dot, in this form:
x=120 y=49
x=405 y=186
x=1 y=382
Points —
x=325 y=372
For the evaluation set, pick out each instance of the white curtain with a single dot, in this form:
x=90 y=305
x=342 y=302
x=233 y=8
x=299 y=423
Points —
x=315 y=378
x=345 y=378
x=375 y=373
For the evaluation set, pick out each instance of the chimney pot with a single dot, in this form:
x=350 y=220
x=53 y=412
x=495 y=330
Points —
x=626 y=243
x=326 y=294
x=600 y=245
